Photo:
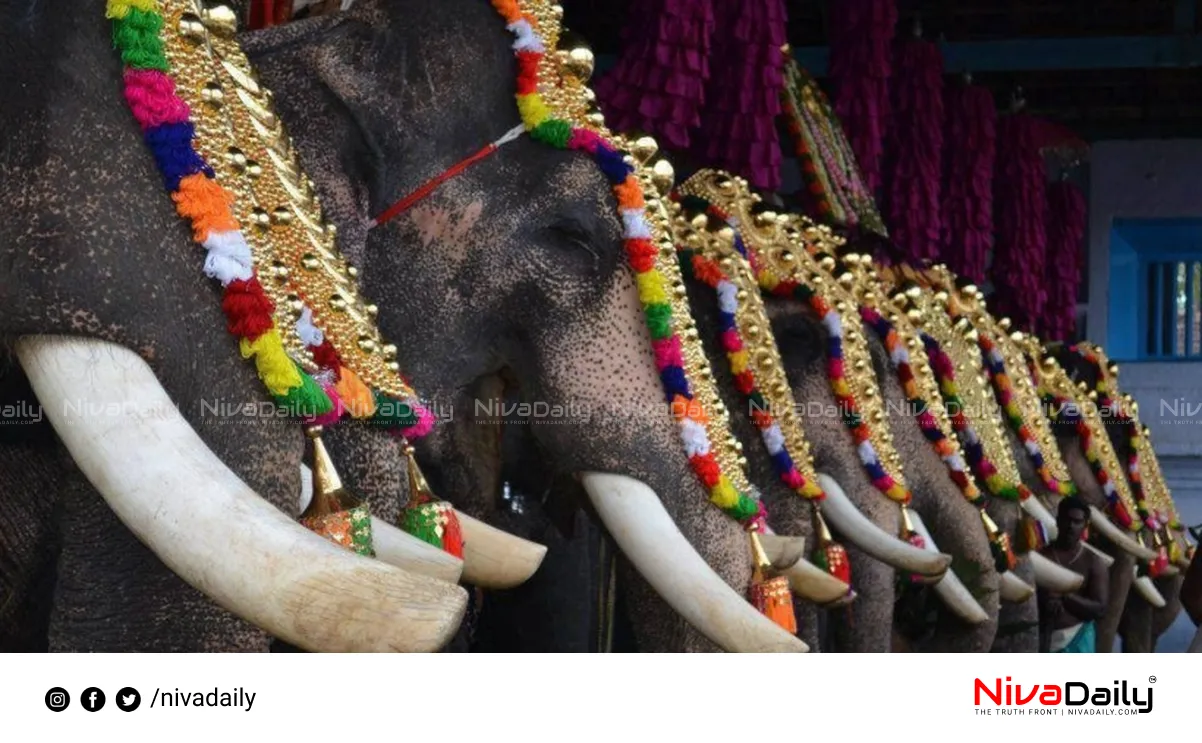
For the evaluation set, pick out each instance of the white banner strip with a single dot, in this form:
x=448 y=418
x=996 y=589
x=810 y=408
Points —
x=612 y=698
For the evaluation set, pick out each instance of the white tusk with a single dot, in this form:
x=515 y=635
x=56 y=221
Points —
x=1054 y=577
x=396 y=546
x=857 y=529
x=207 y=526
x=494 y=558
x=646 y=534
x=812 y=583
x=1169 y=571
x=1108 y=529
x=783 y=552
x=1038 y=511
x=951 y=590
x=1148 y=591
x=1106 y=559
x=1014 y=589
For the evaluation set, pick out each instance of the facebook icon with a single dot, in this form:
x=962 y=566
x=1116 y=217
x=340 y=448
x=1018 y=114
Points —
x=92 y=699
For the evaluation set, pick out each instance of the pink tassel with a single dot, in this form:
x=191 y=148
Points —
x=334 y=415
x=667 y=353
x=151 y=95
x=916 y=152
x=971 y=136
x=731 y=340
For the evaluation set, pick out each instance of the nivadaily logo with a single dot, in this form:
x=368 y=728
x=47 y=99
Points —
x=1070 y=697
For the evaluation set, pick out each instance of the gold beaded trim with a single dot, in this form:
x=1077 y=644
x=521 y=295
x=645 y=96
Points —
x=294 y=248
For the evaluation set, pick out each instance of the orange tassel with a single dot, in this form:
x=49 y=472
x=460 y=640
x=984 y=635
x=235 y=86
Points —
x=771 y=596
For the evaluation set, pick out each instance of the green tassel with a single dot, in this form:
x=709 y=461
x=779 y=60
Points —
x=137 y=36
x=659 y=320
x=555 y=132
x=744 y=509
x=393 y=413
x=306 y=401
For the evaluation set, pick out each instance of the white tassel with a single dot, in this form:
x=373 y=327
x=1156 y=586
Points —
x=834 y=324
x=1032 y=447
x=774 y=439
x=526 y=41
x=634 y=225
x=866 y=452
x=228 y=257
x=308 y=332
x=899 y=355
x=727 y=300
x=696 y=441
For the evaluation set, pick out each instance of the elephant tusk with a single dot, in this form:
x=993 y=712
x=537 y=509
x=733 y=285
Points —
x=1147 y=590
x=646 y=534
x=207 y=526
x=1035 y=508
x=1106 y=528
x=951 y=590
x=1014 y=589
x=1106 y=559
x=857 y=529
x=783 y=552
x=396 y=547
x=1053 y=577
x=493 y=558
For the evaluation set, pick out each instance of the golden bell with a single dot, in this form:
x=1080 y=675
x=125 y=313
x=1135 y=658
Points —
x=643 y=147
x=334 y=512
x=220 y=19
x=663 y=175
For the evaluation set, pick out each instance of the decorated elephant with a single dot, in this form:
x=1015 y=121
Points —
x=552 y=253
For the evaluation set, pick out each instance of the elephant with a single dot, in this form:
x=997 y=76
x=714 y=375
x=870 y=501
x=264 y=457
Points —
x=551 y=254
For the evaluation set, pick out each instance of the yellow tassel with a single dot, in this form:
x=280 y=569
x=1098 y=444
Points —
x=771 y=595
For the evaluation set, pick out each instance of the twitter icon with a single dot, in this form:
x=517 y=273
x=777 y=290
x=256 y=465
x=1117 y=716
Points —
x=128 y=699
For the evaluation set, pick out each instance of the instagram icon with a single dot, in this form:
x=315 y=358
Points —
x=57 y=699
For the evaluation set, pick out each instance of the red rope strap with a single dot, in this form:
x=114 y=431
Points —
x=428 y=187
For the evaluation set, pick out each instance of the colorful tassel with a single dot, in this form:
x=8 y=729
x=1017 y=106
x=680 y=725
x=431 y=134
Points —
x=430 y=520
x=772 y=596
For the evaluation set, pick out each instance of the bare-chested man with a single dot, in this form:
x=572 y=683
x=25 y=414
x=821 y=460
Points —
x=1066 y=621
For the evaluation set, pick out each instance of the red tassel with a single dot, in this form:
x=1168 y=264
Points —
x=452 y=536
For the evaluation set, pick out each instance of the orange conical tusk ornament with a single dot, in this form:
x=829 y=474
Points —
x=334 y=512
x=771 y=595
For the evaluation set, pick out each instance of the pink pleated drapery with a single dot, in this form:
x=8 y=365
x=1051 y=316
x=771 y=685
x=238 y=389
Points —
x=971 y=140
x=915 y=152
x=861 y=63
x=659 y=83
x=738 y=127
x=1020 y=214
x=1066 y=233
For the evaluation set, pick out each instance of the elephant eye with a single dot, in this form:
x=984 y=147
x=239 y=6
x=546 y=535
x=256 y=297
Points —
x=574 y=234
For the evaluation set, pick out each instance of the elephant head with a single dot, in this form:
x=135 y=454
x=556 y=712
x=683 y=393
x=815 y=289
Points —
x=180 y=532
x=515 y=267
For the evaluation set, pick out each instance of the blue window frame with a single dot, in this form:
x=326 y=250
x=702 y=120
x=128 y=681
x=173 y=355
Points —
x=1155 y=304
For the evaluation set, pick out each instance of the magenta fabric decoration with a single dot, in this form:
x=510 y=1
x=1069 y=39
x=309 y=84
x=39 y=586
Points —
x=742 y=100
x=916 y=152
x=969 y=154
x=1020 y=212
x=861 y=37
x=1066 y=258
x=659 y=83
